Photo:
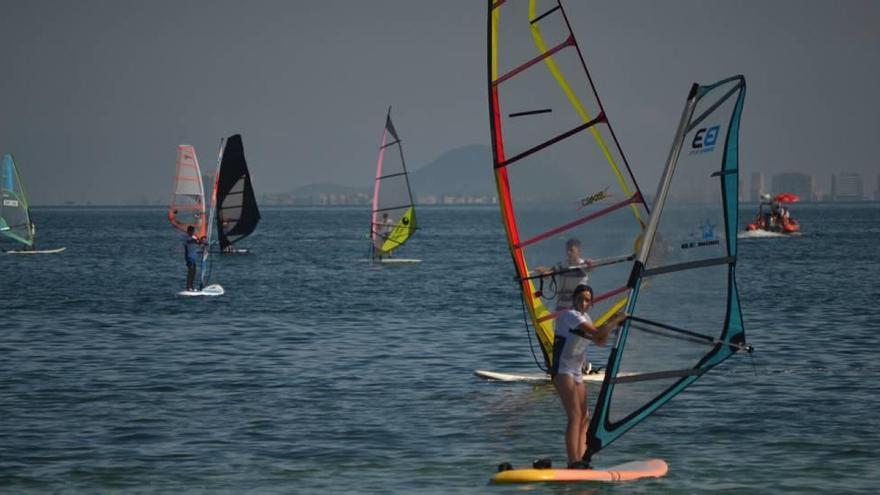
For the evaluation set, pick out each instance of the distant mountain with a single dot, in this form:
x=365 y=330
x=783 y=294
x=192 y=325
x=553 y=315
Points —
x=464 y=171
x=460 y=175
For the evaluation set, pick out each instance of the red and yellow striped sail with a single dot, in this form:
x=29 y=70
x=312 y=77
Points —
x=559 y=169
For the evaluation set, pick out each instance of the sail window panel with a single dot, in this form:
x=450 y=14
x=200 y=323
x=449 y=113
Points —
x=392 y=164
x=545 y=102
x=693 y=225
x=188 y=179
x=700 y=296
x=608 y=240
x=710 y=103
x=629 y=398
x=393 y=196
x=520 y=41
x=575 y=180
x=700 y=308
x=187 y=210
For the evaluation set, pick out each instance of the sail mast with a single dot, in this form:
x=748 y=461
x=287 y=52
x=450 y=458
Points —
x=206 y=253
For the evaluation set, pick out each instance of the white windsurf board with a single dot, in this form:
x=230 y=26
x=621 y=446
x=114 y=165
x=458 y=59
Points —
x=211 y=290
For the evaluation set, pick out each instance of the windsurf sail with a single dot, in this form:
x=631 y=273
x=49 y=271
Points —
x=394 y=214
x=237 y=212
x=690 y=319
x=187 y=208
x=15 y=219
x=206 y=269
x=559 y=168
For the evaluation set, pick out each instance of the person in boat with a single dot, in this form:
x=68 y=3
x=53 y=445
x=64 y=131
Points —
x=574 y=332
x=191 y=250
x=568 y=274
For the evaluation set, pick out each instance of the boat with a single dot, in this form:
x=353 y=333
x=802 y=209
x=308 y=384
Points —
x=187 y=207
x=773 y=216
x=206 y=286
x=237 y=212
x=684 y=313
x=393 y=219
x=15 y=214
x=559 y=168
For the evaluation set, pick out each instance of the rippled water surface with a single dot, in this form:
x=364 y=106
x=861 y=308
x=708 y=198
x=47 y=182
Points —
x=318 y=372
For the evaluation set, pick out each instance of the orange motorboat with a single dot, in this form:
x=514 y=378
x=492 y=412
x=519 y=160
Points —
x=773 y=216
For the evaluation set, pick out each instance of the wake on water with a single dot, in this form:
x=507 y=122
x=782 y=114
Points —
x=759 y=234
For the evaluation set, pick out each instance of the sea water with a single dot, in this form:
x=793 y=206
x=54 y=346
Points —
x=320 y=372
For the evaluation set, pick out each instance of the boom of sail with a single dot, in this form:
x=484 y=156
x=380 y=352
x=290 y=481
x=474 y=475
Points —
x=237 y=212
x=559 y=169
x=15 y=218
x=394 y=215
x=689 y=320
x=187 y=208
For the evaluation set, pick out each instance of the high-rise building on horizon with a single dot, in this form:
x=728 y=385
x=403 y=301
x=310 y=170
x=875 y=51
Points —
x=846 y=186
x=795 y=183
x=756 y=187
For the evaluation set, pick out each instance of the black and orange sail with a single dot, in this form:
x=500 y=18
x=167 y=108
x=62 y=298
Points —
x=559 y=169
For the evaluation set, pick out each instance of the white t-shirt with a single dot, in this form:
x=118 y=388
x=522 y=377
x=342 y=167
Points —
x=566 y=283
x=573 y=357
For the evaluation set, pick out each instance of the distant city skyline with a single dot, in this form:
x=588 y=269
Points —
x=95 y=104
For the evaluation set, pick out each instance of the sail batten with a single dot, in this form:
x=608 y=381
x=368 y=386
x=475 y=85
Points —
x=560 y=172
x=687 y=261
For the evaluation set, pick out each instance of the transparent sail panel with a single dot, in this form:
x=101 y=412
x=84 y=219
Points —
x=15 y=222
x=562 y=177
x=700 y=308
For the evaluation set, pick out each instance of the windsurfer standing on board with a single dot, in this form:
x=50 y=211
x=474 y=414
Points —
x=574 y=331
x=572 y=272
x=384 y=229
x=191 y=248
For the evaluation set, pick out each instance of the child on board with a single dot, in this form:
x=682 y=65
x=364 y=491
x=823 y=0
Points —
x=191 y=248
x=568 y=274
x=574 y=331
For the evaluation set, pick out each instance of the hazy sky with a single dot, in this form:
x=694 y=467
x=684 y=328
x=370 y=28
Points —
x=95 y=95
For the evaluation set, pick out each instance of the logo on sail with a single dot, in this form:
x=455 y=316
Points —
x=10 y=202
x=705 y=139
x=702 y=237
x=599 y=196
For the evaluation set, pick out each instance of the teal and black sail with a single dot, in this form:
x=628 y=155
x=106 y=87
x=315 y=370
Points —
x=237 y=212
x=684 y=308
x=15 y=219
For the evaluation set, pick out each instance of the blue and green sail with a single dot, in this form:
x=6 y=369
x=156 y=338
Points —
x=685 y=315
x=15 y=219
